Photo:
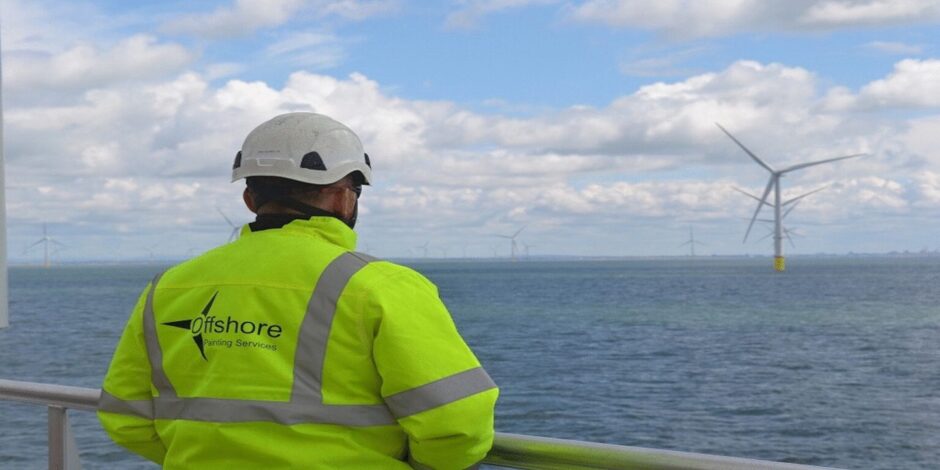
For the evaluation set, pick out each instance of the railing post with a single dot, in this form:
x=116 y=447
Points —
x=63 y=454
x=57 y=422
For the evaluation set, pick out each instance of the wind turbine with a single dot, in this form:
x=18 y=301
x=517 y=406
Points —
x=774 y=184
x=513 y=245
x=235 y=228
x=45 y=240
x=527 y=246
x=691 y=242
x=150 y=250
x=424 y=248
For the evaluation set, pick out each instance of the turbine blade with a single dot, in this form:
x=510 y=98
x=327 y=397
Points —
x=519 y=231
x=820 y=162
x=760 y=205
x=755 y=157
x=224 y=216
x=793 y=232
x=784 y=216
x=37 y=242
x=804 y=195
x=747 y=194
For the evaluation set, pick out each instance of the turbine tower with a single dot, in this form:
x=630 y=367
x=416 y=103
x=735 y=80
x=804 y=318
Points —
x=512 y=242
x=691 y=242
x=45 y=241
x=527 y=246
x=774 y=184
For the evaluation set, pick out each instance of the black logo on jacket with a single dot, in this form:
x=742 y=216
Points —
x=204 y=323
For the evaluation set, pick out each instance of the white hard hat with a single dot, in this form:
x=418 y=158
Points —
x=307 y=147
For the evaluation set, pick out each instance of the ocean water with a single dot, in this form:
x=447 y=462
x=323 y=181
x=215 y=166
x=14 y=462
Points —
x=835 y=362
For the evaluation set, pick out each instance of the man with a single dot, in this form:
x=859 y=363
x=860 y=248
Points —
x=286 y=349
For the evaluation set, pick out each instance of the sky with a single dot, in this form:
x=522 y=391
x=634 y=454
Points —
x=589 y=125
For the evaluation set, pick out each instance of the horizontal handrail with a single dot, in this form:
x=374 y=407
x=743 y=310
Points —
x=534 y=452
x=79 y=398
x=509 y=450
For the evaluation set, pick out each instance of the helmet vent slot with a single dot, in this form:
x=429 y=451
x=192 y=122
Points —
x=238 y=160
x=312 y=161
x=368 y=162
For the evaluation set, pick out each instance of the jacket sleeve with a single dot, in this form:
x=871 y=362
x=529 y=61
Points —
x=125 y=409
x=431 y=381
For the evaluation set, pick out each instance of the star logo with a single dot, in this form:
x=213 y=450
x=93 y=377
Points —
x=195 y=326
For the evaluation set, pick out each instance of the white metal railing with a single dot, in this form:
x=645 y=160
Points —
x=509 y=450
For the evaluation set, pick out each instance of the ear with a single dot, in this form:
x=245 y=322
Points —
x=249 y=201
x=338 y=199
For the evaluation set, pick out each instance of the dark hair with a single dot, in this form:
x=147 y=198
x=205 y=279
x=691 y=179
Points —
x=273 y=188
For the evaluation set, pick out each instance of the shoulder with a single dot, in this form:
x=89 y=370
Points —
x=386 y=275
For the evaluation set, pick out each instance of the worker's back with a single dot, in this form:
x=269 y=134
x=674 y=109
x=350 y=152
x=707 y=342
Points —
x=277 y=350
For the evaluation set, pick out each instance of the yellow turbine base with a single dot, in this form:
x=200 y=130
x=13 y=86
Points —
x=779 y=264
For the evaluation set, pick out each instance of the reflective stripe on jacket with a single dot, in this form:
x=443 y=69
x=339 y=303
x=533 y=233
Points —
x=285 y=349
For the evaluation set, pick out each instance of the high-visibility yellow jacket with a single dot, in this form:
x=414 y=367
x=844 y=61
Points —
x=284 y=349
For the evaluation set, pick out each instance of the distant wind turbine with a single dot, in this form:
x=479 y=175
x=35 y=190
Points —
x=527 y=246
x=424 y=248
x=150 y=250
x=235 y=228
x=691 y=242
x=774 y=184
x=513 y=246
x=45 y=241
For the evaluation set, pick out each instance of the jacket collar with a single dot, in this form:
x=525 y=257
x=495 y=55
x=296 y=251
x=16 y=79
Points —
x=329 y=229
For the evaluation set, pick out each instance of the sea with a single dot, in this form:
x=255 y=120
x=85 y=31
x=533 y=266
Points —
x=835 y=362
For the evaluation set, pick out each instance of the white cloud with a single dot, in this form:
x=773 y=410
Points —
x=896 y=48
x=928 y=185
x=922 y=138
x=29 y=27
x=154 y=155
x=913 y=83
x=247 y=16
x=138 y=57
x=470 y=12
x=685 y=19
x=356 y=9
x=310 y=50
x=878 y=12
x=661 y=121
x=242 y=19
x=662 y=64
x=223 y=70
